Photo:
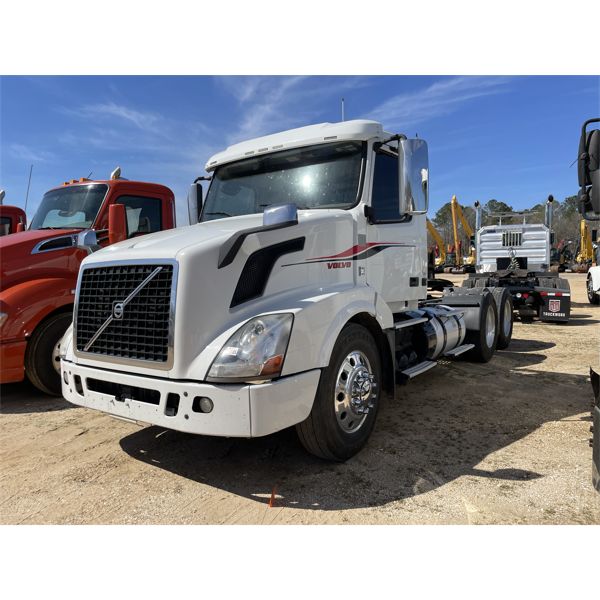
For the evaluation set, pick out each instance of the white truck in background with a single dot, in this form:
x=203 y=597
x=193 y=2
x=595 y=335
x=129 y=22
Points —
x=516 y=257
x=296 y=299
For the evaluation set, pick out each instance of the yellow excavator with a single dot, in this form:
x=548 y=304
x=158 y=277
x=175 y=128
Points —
x=585 y=256
x=462 y=265
x=440 y=258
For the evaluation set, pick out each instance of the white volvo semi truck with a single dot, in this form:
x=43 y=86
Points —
x=298 y=297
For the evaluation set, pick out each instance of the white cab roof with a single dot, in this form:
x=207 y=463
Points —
x=295 y=138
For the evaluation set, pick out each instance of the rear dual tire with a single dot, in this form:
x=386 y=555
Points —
x=485 y=338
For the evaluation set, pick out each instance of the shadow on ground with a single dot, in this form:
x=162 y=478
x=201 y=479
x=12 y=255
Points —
x=23 y=398
x=435 y=431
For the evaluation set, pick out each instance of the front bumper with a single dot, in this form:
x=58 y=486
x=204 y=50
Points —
x=12 y=361
x=240 y=410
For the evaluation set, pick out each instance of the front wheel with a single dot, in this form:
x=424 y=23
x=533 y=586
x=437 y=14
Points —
x=593 y=296
x=347 y=399
x=42 y=359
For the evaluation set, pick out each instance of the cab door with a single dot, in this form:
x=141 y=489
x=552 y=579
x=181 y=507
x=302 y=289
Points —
x=396 y=266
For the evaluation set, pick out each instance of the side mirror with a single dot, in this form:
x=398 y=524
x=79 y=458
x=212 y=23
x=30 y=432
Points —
x=117 y=223
x=194 y=201
x=20 y=226
x=88 y=241
x=280 y=214
x=552 y=238
x=594 y=235
x=413 y=171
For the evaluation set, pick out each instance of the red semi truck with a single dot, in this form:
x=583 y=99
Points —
x=12 y=218
x=39 y=266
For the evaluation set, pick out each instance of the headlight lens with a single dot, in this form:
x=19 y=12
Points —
x=65 y=342
x=3 y=316
x=255 y=350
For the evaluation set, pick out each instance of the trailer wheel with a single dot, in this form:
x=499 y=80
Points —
x=481 y=282
x=504 y=307
x=347 y=399
x=468 y=282
x=486 y=338
x=42 y=362
x=593 y=297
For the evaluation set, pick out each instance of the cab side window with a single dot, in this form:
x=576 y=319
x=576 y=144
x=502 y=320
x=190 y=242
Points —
x=385 y=201
x=143 y=214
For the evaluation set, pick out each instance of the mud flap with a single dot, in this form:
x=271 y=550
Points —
x=554 y=308
x=595 y=379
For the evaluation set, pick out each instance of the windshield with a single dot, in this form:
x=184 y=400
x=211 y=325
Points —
x=69 y=207
x=323 y=176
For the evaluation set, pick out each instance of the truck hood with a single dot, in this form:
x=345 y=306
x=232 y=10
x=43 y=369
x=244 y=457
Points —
x=174 y=243
x=20 y=263
x=214 y=296
x=24 y=240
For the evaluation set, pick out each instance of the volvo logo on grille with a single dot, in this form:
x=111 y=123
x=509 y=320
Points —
x=119 y=307
x=118 y=310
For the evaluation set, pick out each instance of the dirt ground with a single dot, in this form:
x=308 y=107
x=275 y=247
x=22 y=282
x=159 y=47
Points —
x=503 y=442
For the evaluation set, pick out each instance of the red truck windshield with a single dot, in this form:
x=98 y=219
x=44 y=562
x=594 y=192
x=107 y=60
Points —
x=322 y=176
x=70 y=207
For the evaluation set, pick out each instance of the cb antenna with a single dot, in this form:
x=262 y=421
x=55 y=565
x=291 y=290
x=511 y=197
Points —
x=28 y=185
x=343 y=112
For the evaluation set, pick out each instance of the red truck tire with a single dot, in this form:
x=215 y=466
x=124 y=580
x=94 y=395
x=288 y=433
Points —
x=42 y=364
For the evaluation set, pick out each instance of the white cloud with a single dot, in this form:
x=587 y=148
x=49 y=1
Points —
x=22 y=152
x=144 y=120
x=439 y=99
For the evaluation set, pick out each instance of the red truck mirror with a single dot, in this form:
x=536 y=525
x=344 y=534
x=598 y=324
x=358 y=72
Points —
x=20 y=226
x=117 y=223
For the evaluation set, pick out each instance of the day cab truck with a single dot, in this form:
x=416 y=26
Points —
x=298 y=297
x=516 y=257
x=39 y=266
x=12 y=218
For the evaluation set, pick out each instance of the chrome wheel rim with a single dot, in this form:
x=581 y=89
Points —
x=490 y=327
x=355 y=392
x=507 y=317
x=56 y=356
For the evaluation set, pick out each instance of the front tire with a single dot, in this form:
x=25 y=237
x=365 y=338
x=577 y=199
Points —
x=42 y=362
x=347 y=399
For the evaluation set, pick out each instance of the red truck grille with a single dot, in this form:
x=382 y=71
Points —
x=130 y=305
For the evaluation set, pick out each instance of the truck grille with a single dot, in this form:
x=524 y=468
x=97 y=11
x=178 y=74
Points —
x=140 y=331
x=510 y=239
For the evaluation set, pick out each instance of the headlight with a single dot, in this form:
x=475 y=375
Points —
x=65 y=342
x=256 y=350
x=3 y=316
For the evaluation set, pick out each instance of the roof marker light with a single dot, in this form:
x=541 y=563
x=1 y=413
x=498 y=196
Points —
x=116 y=174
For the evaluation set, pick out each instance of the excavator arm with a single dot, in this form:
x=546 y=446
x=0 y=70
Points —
x=439 y=241
x=458 y=215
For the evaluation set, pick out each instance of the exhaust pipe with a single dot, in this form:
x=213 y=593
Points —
x=477 y=215
x=549 y=211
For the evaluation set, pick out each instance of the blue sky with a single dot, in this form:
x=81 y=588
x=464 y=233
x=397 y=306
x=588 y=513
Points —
x=509 y=138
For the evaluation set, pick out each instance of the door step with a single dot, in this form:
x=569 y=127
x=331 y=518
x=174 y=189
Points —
x=459 y=350
x=412 y=372
x=410 y=322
